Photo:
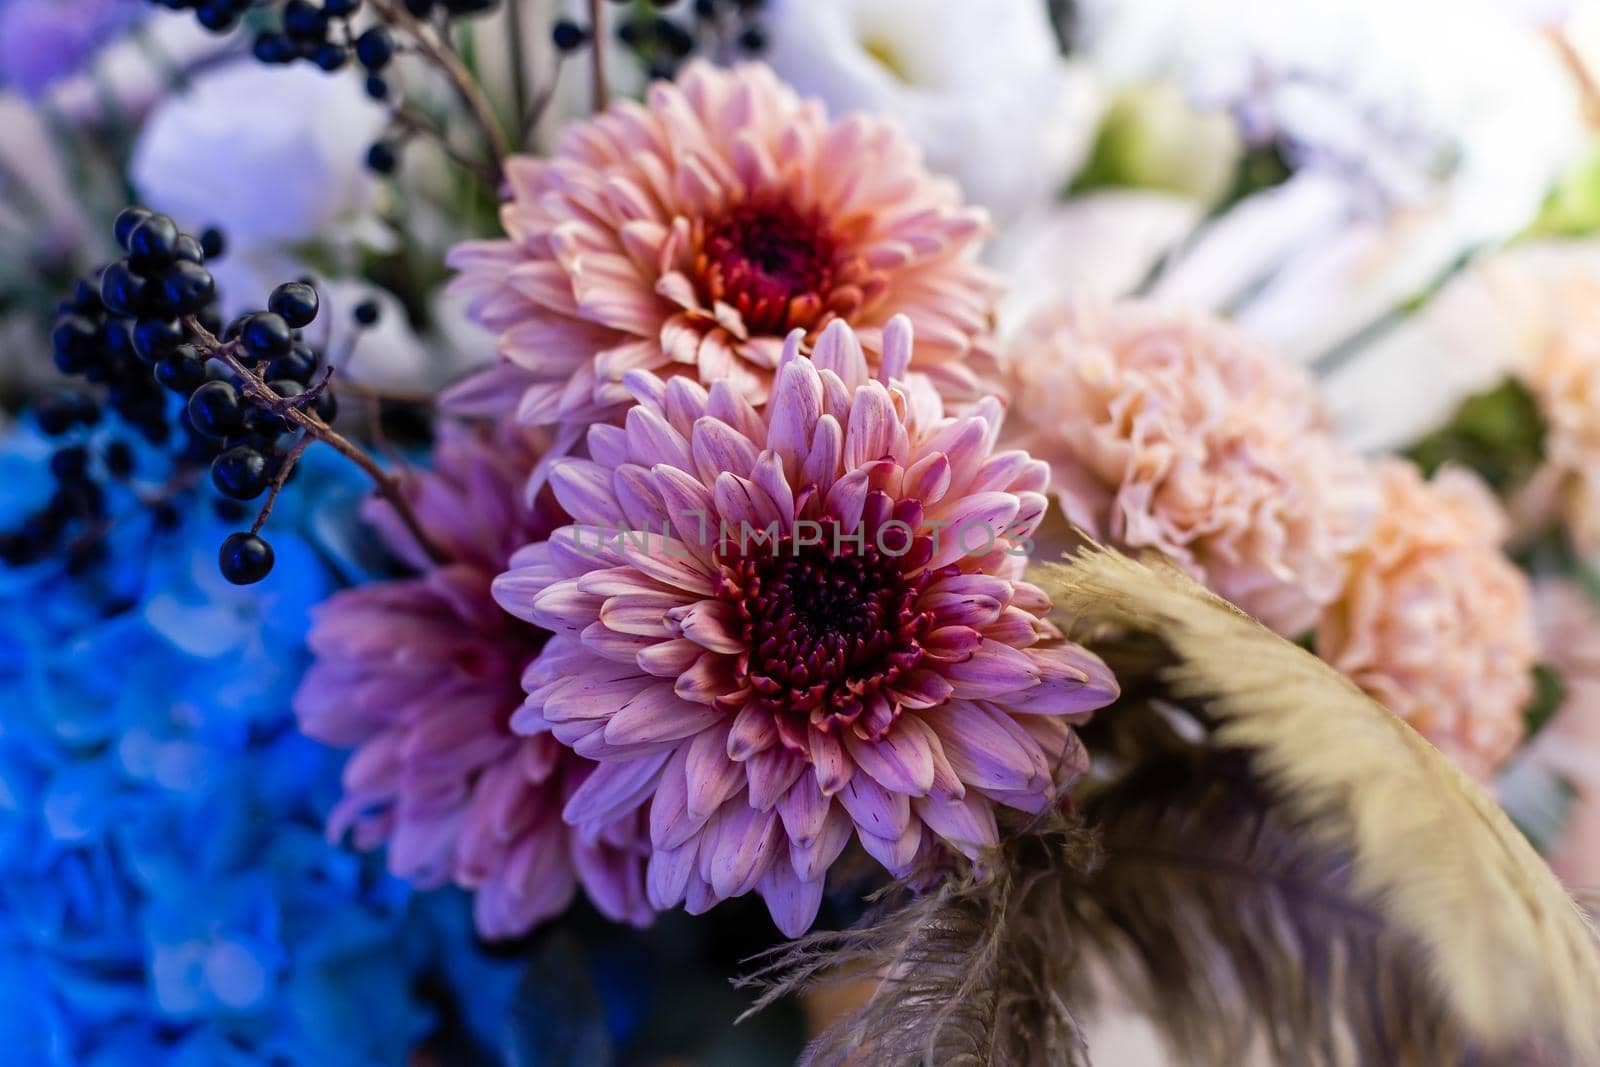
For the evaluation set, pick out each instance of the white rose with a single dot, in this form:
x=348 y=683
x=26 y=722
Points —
x=1491 y=321
x=1417 y=130
x=275 y=156
x=981 y=85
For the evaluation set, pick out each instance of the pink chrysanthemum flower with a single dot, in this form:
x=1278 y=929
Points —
x=1436 y=623
x=767 y=681
x=689 y=234
x=1173 y=431
x=421 y=677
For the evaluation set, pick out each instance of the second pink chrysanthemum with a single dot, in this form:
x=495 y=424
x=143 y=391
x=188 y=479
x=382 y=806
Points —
x=420 y=676
x=689 y=234
x=825 y=632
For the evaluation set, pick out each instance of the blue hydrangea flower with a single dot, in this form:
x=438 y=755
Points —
x=166 y=892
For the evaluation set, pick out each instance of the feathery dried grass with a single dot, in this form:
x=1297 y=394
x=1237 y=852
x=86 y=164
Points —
x=1510 y=954
x=1304 y=878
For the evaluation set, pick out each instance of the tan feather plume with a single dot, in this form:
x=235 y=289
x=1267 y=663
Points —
x=1513 y=958
x=1294 y=874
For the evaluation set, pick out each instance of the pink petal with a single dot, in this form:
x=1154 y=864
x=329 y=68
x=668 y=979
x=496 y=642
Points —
x=986 y=747
x=670 y=822
x=812 y=858
x=1073 y=682
x=583 y=489
x=652 y=440
x=667 y=875
x=894 y=853
x=668 y=659
x=657 y=715
x=713 y=777
x=612 y=791
x=870 y=434
x=901 y=761
x=967 y=824
x=793 y=903
x=839 y=351
x=747 y=842
x=874 y=809
x=832 y=768
x=708 y=623
x=995 y=670
x=793 y=410
x=803 y=810
x=718 y=447
x=770 y=775
x=753 y=731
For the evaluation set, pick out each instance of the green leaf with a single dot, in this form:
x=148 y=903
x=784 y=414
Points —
x=1549 y=692
x=1498 y=433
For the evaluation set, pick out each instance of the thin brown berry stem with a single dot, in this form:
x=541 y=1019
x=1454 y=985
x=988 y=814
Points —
x=416 y=122
x=441 y=55
x=597 y=53
x=280 y=480
x=517 y=57
x=257 y=390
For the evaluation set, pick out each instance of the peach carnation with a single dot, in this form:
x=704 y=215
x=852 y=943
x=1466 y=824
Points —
x=1564 y=377
x=1173 y=431
x=1436 y=623
x=690 y=233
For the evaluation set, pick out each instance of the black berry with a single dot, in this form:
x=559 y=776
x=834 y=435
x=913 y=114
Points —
x=121 y=290
x=265 y=335
x=295 y=302
x=240 y=473
x=215 y=410
x=213 y=242
x=330 y=57
x=568 y=36
x=189 y=250
x=381 y=158
x=375 y=48
x=298 y=365
x=245 y=559
x=304 y=22
x=153 y=244
x=183 y=371
x=155 y=338
x=127 y=219
x=187 y=287
x=274 y=48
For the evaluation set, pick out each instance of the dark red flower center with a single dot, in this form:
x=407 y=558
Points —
x=772 y=263
x=825 y=629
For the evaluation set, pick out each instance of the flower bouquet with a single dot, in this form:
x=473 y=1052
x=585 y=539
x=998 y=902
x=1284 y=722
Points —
x=850 y=531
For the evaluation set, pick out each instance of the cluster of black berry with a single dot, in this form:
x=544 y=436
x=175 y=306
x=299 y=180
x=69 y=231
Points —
x=119 y=325
x=323 y=36
x=663 y=43
x=256 y=437
x=322 y=33
x=120 y=333
x=150 y=320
